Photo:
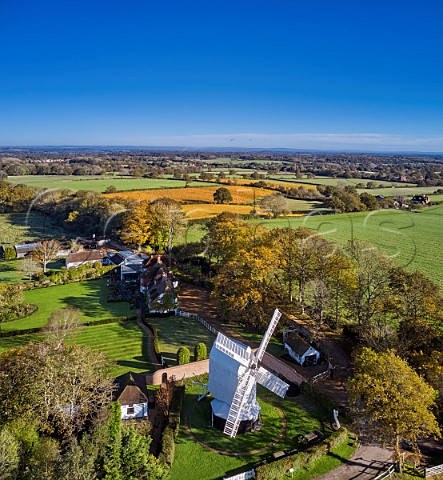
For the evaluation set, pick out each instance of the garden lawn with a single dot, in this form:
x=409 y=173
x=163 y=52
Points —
x=175 y=332
x=412 y=240
x=90 y=297
x=194 y=461
x=10 y=271
x=98 y=183
x=123 y=342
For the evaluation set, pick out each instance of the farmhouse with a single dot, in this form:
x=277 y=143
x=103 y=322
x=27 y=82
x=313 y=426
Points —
x=130 y=265
x=298 y=349
x=132 y=394
x=85 y=256
x=158 y=285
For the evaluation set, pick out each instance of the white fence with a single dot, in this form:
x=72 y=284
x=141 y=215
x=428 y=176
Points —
x=242 y=476
x=386 y=474
x=199 y=319
x=429 y=472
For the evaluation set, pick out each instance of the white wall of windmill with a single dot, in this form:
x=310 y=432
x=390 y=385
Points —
x=224 y=375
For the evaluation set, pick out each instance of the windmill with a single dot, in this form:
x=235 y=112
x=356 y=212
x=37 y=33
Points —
x=234 y=371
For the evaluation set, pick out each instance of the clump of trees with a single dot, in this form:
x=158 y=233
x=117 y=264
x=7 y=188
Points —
x=56 y=416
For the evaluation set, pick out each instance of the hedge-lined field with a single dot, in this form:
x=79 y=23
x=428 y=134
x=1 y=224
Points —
x=97 y=183
x=207 y=210
x=240 y=194
x=90 y=297
x=175 y=332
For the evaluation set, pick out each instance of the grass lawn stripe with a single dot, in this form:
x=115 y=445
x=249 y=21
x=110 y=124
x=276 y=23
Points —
x=90 y=297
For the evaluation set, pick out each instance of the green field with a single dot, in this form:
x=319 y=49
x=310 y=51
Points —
x=21 y=228
x=175 y=332
x=97 y=183
x=412 y=240
x=333 y=181
x=403 y=191
x=124 y=343
x=90 y=297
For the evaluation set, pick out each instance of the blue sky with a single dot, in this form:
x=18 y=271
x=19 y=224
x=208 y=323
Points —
x=327 y=74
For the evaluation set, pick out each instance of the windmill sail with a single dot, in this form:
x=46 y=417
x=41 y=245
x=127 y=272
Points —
x=244 y=387
x=271 y=382
x=233 y=349
x=264 y=343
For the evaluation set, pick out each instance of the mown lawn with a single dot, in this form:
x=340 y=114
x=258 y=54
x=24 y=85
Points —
x=124 y=343
x=175 y=332
x=98 y=183
x=194 y=461
x=90 y=297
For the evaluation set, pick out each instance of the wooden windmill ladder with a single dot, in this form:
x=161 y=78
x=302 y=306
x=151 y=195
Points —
x=244 y=388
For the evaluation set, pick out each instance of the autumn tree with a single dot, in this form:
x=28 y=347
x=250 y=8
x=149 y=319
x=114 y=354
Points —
x=247 y=287
x=168 y=221
x=29 y=266
x=274 y=205
x=222 y=195
x=61 y=385
x=390 y=401
x=45 y=252
x=137 y=225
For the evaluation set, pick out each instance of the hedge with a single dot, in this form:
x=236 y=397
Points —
x=200 y=352
x=279 y=468
x=183 y=356
x=172 y=428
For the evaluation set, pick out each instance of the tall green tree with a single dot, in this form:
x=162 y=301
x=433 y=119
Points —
x=390 y=401
x=222 y=195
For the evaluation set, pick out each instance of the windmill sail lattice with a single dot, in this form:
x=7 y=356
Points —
x=244 y=394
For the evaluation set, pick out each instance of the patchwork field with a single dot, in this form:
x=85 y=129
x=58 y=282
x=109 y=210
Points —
x=98 y=183
x=240 y=194
x=90 y=297
x=333 y=181
x=197 y=211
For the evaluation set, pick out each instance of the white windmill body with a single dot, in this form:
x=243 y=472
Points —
x=234 y=371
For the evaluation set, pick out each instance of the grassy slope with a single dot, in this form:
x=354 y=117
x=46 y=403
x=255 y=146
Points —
x=98 y=184
x=175 y=332
x=90 y=297
x=413 y=240
x=20 y=228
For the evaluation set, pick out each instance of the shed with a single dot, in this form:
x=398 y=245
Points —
x=132 y=394
x=300 y=350
x=24 y=249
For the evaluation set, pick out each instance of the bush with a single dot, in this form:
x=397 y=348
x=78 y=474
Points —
x=200 y=352
x=183 y=356
x=9 y=253
x=168 y=446
x=279 y=468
